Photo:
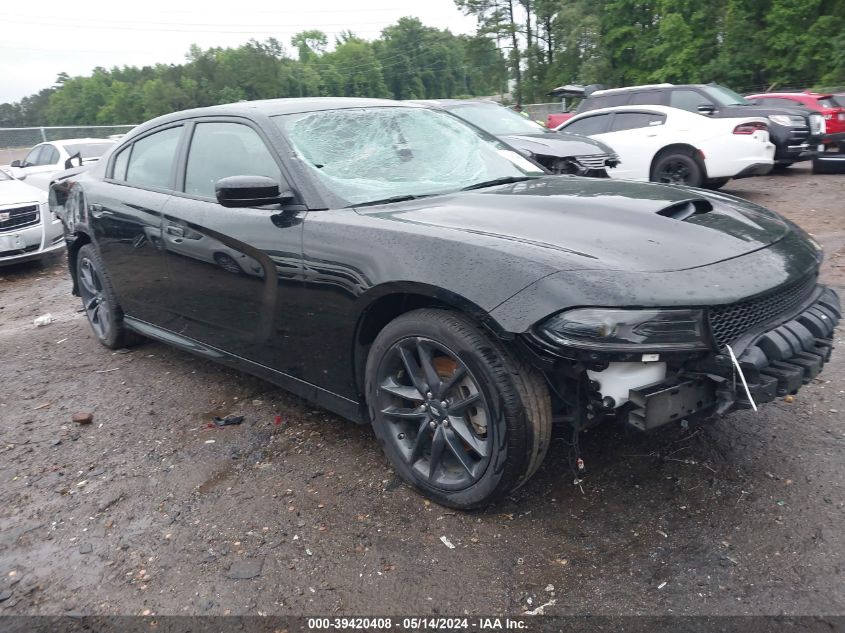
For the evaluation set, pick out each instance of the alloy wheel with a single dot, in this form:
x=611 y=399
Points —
x=94 y=298
x=675 y=172
x=436 y=414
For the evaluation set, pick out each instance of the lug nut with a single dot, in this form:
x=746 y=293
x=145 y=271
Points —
x=443 y=403
x=432 y=425
x=429 y=395
x=446 y=423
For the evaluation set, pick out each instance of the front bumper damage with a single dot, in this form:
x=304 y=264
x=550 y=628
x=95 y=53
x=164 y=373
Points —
x=776 y=359
x=775 y=363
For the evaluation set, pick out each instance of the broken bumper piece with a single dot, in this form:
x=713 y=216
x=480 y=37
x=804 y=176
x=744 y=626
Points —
x=776 y=363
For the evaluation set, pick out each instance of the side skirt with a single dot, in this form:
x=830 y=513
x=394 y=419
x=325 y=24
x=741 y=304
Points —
x=349 y=409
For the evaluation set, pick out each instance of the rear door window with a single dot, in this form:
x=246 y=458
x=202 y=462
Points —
x=596 y=124
x=120 y=163
x=151 y=163
x=649 y=97
x=635 y=120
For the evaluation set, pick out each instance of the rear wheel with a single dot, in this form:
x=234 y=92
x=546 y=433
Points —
x=677 y=169
x=460 y=418
x=99 y=301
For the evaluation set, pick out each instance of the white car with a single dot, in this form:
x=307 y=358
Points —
x=28 y=230
x=665 y=144
x=46 y=159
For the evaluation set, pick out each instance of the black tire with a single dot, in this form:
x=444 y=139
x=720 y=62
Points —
x=100 y=302
x=677 y=169
x=476 y=463
x=716 y=183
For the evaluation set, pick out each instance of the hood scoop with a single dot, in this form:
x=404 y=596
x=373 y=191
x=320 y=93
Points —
x=685 y=209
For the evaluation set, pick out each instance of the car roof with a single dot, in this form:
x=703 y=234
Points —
x=631 y=108
x=809 y=95
x=273 y=107
x=608 y=91
x=444 y=103
x=74 y=141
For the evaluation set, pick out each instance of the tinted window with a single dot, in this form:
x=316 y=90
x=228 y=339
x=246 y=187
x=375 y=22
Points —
x=588 y=125
x=604 y=101
x=687 y=100
x=219 y=150
x=120 y=163
x=650 y=97
x=32 y=157
x=633 y=120
x=151 y=163
x=828 y=102
x=49 y=156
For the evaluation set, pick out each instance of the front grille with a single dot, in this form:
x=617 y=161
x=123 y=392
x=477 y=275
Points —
x=592 y=161
x=18 y=217
x=729 y=322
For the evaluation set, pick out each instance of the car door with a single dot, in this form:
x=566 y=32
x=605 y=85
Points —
x=635 y=136
x=125 y=212
x=230 y=267
x=41 y=159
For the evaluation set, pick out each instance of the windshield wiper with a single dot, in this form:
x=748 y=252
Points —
x=401 y=198
x=498 y=181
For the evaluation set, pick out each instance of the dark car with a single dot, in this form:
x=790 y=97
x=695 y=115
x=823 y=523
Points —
x=796 y=132
x=418 y=275
x=558 y=152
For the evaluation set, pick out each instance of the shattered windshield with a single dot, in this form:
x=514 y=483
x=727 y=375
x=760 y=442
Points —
x=496 y=120
x=363 y=155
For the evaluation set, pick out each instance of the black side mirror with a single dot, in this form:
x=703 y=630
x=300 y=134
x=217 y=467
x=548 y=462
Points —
x=249 y=191
x=706 y=109
x=16 y=163
x=69 y=161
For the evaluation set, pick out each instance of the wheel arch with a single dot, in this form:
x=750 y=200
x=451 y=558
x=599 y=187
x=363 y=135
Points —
x=80 y=239
x=678 y=148
x=389 y=301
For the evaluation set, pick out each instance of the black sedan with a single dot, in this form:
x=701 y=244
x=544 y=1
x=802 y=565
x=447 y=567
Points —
x=559 y=152
x=402 y=268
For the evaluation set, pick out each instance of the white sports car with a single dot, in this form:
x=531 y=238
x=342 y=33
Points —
x=671 y=145
x=46 y=159
x=28 y=230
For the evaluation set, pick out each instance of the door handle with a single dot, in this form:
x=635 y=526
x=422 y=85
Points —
x=98 y=210
x=175 y=231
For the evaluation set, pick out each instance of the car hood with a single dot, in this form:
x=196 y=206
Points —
x=17 y=192
x=590 y=223
x=762 y=111
x=556 y=144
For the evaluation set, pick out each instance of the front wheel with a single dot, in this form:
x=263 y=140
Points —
x=461 y=418
x=677 y=169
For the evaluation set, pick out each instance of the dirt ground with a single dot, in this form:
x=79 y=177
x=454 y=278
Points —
x=147 y=511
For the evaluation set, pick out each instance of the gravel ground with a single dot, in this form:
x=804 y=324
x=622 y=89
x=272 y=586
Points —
x=147 y=511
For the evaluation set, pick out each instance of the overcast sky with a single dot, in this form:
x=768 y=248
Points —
x=40 y=39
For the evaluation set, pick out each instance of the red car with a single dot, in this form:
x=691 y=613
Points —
x=832 y=107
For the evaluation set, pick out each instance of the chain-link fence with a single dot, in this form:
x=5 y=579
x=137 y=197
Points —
x=15 y=142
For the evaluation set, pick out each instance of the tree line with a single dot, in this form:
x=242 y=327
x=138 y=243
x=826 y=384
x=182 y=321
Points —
x=537 y=44
x=409 y=61
x=744 y=44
